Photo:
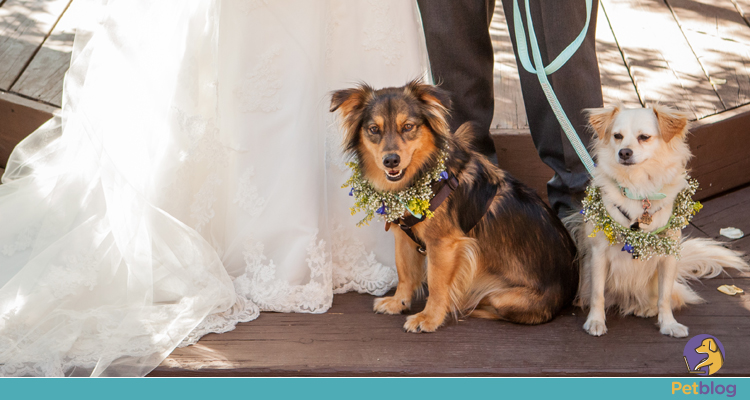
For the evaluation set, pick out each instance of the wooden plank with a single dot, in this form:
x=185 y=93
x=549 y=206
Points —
x=350 y=340
x=720 y=162
x=517 y=155
x=43 y=79
x=510 y=112
x=720 y=37
x=661 y=62
x=743 y=7
x=617 y=85
x=19 y=118
x=24 y=24
x=730 y=210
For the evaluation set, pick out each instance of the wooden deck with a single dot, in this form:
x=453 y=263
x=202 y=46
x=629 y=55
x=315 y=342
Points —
x=350 y=340
x=691 y=54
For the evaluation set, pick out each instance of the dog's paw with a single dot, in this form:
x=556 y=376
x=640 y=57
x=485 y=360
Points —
x=646 y=311
x=422 y=323
x=390 y=305
x=674 y=329
x=595 y=327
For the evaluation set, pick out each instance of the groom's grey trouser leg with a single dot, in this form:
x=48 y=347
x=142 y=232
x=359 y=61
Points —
x=577 y=84
x=462 y=60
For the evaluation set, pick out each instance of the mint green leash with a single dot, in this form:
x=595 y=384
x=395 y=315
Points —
x=523 y=55
x=542 y=72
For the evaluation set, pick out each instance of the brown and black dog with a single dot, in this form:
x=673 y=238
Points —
x=516 y=264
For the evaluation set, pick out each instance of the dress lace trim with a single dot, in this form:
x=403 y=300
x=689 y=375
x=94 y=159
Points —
x=261 y=284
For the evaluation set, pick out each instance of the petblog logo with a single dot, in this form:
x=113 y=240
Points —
x=704 y=355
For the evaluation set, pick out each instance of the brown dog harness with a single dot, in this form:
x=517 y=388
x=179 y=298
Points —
x=406 y=223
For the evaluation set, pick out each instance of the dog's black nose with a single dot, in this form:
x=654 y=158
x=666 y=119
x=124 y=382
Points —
x=391 y=160
x=625 y=154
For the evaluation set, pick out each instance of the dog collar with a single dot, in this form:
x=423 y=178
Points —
x=642 y=244
x=653 y=196
x=406 y=223
x=448 y=186
x=392 y=205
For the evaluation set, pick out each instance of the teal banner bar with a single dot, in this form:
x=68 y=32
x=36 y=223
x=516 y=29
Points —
x=697 y=388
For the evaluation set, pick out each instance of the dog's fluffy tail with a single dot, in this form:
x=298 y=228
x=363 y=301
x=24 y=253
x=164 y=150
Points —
x=702 y=258
x=706 y=258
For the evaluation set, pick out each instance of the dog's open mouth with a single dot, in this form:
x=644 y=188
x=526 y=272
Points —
x=394 y=175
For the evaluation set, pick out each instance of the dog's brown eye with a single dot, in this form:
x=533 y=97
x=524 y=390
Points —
x=618 y=136
x=408 y=127
x=374 y=129
x=643 y=138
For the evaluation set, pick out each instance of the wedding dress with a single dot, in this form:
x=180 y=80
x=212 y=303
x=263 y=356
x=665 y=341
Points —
x=192 y=179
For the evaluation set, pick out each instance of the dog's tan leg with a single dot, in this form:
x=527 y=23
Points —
x=521 y=305
x=448 y=269
x=410 y=266
x=598 y=269
x=485 y=312
x=667 y=323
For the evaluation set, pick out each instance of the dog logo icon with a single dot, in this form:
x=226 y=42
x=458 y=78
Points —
x=704 y=355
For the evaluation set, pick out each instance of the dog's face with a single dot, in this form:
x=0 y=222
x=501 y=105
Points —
x=395 y=132
x=634 y=136
x=707 y=346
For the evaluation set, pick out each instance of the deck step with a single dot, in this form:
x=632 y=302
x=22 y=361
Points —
x=720 y=162
x=20 y=116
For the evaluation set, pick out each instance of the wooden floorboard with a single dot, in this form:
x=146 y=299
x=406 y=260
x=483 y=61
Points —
x=43 y=78
x=743 y=7
x=719 y=37
x=18 y=118
x=659 y=57
x=510 y=112
x=24 y=25
x=730 y=210
x=350 y=340
x=720 y=161
x=617 y=84
x=517 y=155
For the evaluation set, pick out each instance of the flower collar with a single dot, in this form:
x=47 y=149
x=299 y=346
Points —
x=641 y=244
x=391 y=206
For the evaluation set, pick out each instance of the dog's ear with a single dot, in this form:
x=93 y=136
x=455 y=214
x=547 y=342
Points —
x=436 y=104
x=712 y=345
x=429 y=94
x=601 y=120
x=351 y=106
x=672 y=123
x=348 y=100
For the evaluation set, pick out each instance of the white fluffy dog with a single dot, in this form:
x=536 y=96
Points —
x=642 y=150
